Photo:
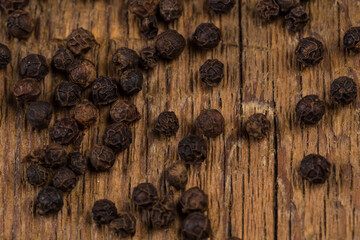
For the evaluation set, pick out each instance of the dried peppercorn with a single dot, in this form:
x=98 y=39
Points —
x=287 y=5
x=77 y=163
x=125 y=58
x=170 y=9
x=36 y=175
x=212 y=72
x=33 y=66
x=267 y=9
x=207 y=36
x=48 y=201
x=352 y=39
x=118 y=137
x=131 y=81
x=310 y=109
x=104 y=211
x=62 y=60
x=145 y=195
x=64 y=179
x=20 y=24
x=55 y=156
x=82 y=72
x=193 y=200
x=64 y=131
x=343 y=90
x=143 y=8
x=67 y=94
x=221 y=6
x=5 y=55
x=39 y=114
x=102 y=158
x=210 y=122
x=192 y=149
x=296 y=19
x=149 y=26
x=124 y=225
x=149 y=57
x=27 y=90
x=12 y=5
x=85 y=113
x=162 y=216
x=196 y=226
x=309 y=52
x=167 y=124
x=176 y=175
x=80 y=41
x=122 y=111
x=257 y=126
x=170 y=44
x=315 y=168
x=104 y=91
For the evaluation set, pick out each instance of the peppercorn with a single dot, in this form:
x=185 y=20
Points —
x=170 y=10
x=104 y=91
x=82 y=72
x=77 y=163
x=162 y=216
x=296 y=19
x=167 y=124
x=210 y=122
x=64 y=179
x=176 y=175
x=64 y=131
x=62 y=60
x=212 y=72
x=5 y=56
x=12 y=5
x=221 y=6
x=49 y=200
x=67 y=94
x=80 y=41
x=149 y=27
x=193 y=200
x=124 y=225
x=267 y=9
x=309 y=52
x=145 y=195
x=85 y=113
x=149 y=57
x=102 y=158
x=207 y=36
x=196 y=226
x=343 y=90
x=192 y=149
x=287 y=5
x=20 y=24
x=104 y=211
x=257 y=126
x=310 y=109
x=33 y=66
x=55 y=156
x=118 y=137
x=122 y=111
x=143 y=8
x=315 y=168
x=27 y=90
x=352 y=39
x=170 y=44
x=36 y=175
x=131 y=81
x=39 y=114
x=125 y=58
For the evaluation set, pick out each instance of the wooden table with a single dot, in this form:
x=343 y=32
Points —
x=254 y=188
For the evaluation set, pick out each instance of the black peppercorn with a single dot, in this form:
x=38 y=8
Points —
x=149 y=57
x=67 y=94
x=131 y=81
x=167 y=124
x=296 y=19
x=20 y=24
x=162 y=216
x=55 y=156
x=287 y=5
x=315 y=168
x=210 y=122
x=5 y=55
x=104 y=211
x=122 y=111
x=82 y=72
x=143 y=8
x=193 y=200
x=145 y=195
x=309 y=52
x=170 y=9
x=33 y=66
x=212 y=72
x=207 y=36
x=85 y=113
x=36 y=175
x=124 y=225
x=176 y=175
x=64 y=179
x=39 y=114
x=310 y=109
x=118 y=137
x=221 y=6
x=352 y=39
x=170 y=44
x=104 y=91
x=27 y=90
x=192 y=149
x=343 y=90
x=268 y=9
x=125 y=58
x=77 y=163
x=12 y=5
x=64 y=131
x=102 y=158
x=49 y=200
x=80 y=41
x=149 y=27
x=196 y=226
x=257 y=126
x=62 y=59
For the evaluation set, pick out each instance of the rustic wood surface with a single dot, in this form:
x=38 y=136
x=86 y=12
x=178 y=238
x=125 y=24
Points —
x=254 y=188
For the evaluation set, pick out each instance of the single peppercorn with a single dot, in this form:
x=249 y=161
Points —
x=143 y=8
x=55 y=156
x=149 y=57
x=102 y=158
x=287 y=5
x=49 y=200
x=221 y=6
x=343 y=90
x=309 y=52
x=310 y=109
x=39 y=114
x=33 y=66
x=149 y=27
x=296 y=19
x=36 y=175
x=64 y=131
x=267 y=9
x=352 y=39
x=170 y=44
x=104 y=91
x=20 y=24
x=26 y=90
x=170 y=10
x=167 y=124
x=131 y=81
x=12 y=5
x=64 y=179
x=67 y=94
x=82 y=72
x=80 y=41
x=176 y=175
x=125 y=58
x=145 y=195
x=161 y=215
x=77 y=163
x=257 y=126
x=315 y=168
x=62 y=60
x=207 y=36
x=118 y=137
x=104 y=211
x=212 y=72
x=124 y=225
x=192 y=149
x=85 y=113
x=196 y=226
x=122 y=111
x=210 y=123
x=194 y=200
x=5 y=56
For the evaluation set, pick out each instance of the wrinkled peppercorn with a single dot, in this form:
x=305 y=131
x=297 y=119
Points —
x=145 y=195
x=310 y=109
x=102 y=158
x=192 y=149
x=131 y=81
x=27 y=90
x=162 y=216
x=309 y=52
x=55 y=156
x=212 y=72
x=64 y=131
x=343 y=90
x=80 y=41
x=207 y=36
x=143 y=8
x=210 y=122
x=296 y=19
x=104 y=211
x=257 y=126
x=5 y=55
x=170 y=44
x=82 y=72
x=36 y=175
x=194 y=200
x=118 y=137
x=125 y=58
x=62 y=59
x=77 y=163
x=221 y=6
x=124 y=225
x=287 y=5
x=33 y=66
x=196 y=226
x=149 y=27
x=170 y=9
x=64 y=179
x=167 y=124
x=149 y=57
x=85 y=113
x=315 y=168
x=176 y=175
x=67 y=94
x=20 y=24
x=39 y=114
x=352 y=39
x=49 y=200
x=12 y=5
x=268 y=9
x=104 y=91
x=122 y=111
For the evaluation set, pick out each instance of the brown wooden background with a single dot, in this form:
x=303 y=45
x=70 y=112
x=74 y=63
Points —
x=254 y=188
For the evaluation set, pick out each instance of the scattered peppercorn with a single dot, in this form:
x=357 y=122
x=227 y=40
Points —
x=77 y=163
x=27 y=90
x=62 y=59
x=310 y=109
x=221 y=6
x=20 y=24
x=149 y=27
x=118 y=137
x=102 y=158
x=55 y=156
x=212 y=72
x=39 y=114
x=167 y=124
x=82 y=72
x=196 y=226
x=170 y=44
x=257 y=126
x=315 y=168
x=49 y=200
x=5 y=56
x=352 y=39
x=145 y=195
x=287 y=5
x=80 y=41
x=210 y=122
x=176 y=175
x=85 y=113
x=192 y=149
x=64 y=179
x=104 y=211
x=12 y=5
x=67 y=94
x=194 y=200
x=122 y=111
x=309 y=52
x=296 y=19
x=131 y=81
x=124 y=225
x=125 y=58
x=268 y=9
x=343 y=90
x=33 y=66
x=170 y=10
x=149 y=57
x=207 y=36
x=104 y=91
x=143 y=8
x=64 y=131
x=36 y=175
x=162 y=216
